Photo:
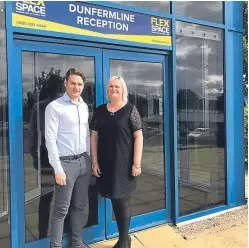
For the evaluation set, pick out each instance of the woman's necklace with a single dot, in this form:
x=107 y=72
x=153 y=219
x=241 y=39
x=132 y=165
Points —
x=115 y=109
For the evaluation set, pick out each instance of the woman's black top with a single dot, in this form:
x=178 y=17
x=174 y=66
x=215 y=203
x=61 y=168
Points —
x=116 y=149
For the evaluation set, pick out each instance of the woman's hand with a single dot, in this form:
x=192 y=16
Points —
x=96 y=170
x=138 y=150
x=136 y=171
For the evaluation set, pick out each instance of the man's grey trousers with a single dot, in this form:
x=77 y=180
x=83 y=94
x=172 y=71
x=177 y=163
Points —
x=78 y=175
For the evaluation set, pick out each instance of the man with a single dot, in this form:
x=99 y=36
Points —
x=68 y=144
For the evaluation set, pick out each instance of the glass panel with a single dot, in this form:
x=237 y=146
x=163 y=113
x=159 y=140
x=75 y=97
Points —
x=204 y=10
x=201 y=118
x=145 y=85
x=161 y=6
x=38 y=90
x=4 y=139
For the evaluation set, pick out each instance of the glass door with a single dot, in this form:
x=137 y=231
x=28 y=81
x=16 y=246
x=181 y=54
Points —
x=32 y=89
x=37 y=87
x=146 y=78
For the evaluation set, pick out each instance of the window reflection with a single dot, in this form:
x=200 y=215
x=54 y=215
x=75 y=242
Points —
x=43 y=81
x=201 y=118
x=145 y=86
x=161 y=6
x=204 y=10
x=4 y=139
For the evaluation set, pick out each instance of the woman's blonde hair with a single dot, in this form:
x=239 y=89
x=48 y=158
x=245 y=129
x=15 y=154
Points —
x=124 y=87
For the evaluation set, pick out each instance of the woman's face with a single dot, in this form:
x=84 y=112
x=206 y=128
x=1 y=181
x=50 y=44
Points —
x=115 y=90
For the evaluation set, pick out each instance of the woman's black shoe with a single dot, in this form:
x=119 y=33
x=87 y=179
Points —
x=126 y=245
x=116 y=245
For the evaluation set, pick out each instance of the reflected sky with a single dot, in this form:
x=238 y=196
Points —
x=162 y=6
x=142 y=73
x=36 y=63
x=200 y=63
x=203 y=10
x=143 y=77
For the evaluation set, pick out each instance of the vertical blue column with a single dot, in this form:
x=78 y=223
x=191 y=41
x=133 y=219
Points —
x=174 y=161
x=234 y=15
x=15 y=136
x=234 y=104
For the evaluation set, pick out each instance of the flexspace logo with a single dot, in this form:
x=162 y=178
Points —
x=160 y=26
x=33 y=8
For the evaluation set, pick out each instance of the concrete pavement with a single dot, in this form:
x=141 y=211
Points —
x=230 y=236
x=166 y=237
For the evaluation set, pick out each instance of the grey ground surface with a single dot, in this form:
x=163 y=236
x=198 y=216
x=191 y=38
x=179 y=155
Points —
x=214 y=224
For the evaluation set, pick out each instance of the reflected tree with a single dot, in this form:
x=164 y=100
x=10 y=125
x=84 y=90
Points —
x=42 y=86
x=187 y=99
x=220 y=102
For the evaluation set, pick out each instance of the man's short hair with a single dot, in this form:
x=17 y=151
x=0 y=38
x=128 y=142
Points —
x=77 y=72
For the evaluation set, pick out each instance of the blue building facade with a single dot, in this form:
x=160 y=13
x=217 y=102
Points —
x=183 y=65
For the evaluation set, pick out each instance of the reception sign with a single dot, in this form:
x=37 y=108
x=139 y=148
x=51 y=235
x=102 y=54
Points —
x=86 y=19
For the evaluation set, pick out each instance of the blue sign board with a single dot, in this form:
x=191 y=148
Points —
x=91 y=20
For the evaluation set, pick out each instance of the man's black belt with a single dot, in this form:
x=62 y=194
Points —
x=72 y=157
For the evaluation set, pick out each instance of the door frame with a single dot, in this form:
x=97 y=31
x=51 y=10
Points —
x=106 y=228
x=91 y=234
x=161 y=216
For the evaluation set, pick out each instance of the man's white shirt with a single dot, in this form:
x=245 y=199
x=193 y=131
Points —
x=66 y=130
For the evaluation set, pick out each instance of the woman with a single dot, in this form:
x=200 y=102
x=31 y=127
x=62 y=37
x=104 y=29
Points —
x=116 y=149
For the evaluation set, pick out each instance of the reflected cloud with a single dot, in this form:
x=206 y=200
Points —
x=185 y=50
x=200 y=63
x=162 y=6
x=187 y=68
x=137 y=73
x=214 y=86
x=203 y=10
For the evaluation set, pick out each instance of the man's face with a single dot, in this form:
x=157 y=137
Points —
x=74 y=86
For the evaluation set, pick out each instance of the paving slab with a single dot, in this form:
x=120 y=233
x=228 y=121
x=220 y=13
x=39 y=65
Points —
x=160 y=237
x=232 y=232
x=234 y=237
x=166 y=237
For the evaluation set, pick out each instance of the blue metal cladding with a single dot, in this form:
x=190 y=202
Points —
x=234 y=109
x=234 y=119
x=234 y=103
x=201 y=214
x=233 y=15
x=15 y=134
x=233 y=28
x=174 y=182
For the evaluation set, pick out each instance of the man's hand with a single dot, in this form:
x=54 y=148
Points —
x=60 y=178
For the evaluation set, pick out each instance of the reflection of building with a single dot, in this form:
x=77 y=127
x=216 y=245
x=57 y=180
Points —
x=3 y=89
x=89 y=95
x=191 y=106
x=195 y=117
